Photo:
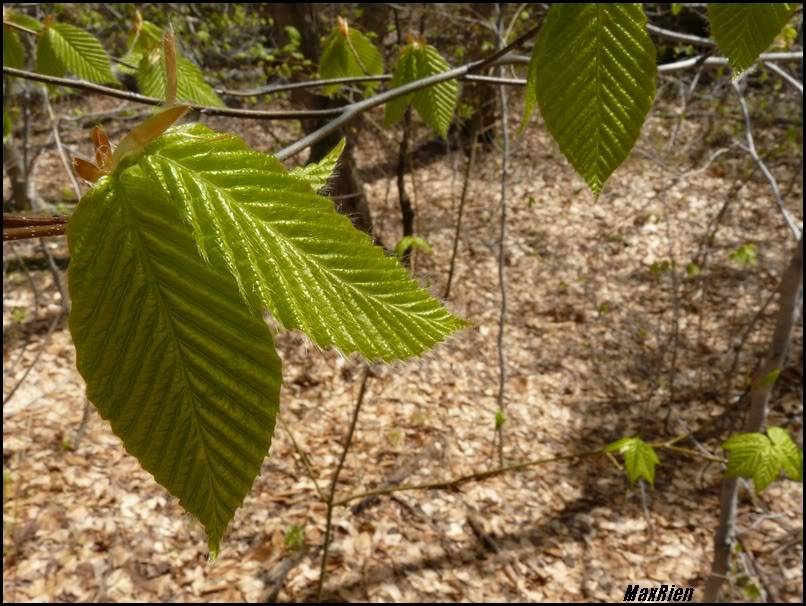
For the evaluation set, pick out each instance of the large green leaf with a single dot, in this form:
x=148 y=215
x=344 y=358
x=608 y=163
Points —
x=639 y=457
x=291 y=252
x=744 y=31
x=317 y=174
x=435 y=103
x=185 y=372
x=65 y=48
x=13 y=52
x=190 y=84
x=349 y=54
x=594 y=80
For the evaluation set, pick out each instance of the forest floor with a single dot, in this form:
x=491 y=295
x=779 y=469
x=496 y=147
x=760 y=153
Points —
x=602 y=340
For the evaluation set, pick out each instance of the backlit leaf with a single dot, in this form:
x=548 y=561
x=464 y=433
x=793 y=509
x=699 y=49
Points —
x=13 y=51
x=317 y=174
x=762 y=457
x=744 y=31
x=291 y=252
x=65 y=48
x=190 y=84
x=639 y=457
x=435 y=104
x=593 y=76
x=184 y=371
x=348 y=53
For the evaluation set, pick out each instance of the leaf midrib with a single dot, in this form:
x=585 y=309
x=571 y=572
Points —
x=140 y=250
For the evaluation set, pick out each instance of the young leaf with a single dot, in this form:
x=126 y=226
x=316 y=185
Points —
x=405 y=72
x=65 y=48
x=436 y=103
x=13 y=51
x=184 y=371
x=22 y=20
x=348 y=54
x=752 y=455
x=789 y=455
x=408 y=242
x=639 y=457
x=46 y=60
x=593 y=75
x=191 y=86
x=743 y=31
x=317 y=174
x=290 y=251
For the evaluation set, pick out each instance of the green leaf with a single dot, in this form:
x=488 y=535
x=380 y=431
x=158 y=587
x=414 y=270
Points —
x=752 y=456
x=46 y=60
x=184 y=371
x=743 y=31
x=23 y=20
x=530 y=95
x=435 y=104
x=594 y=79
x=349 y=54
x=408 y=242
x=190 y=84
x=405 y=72
x=291 y=252
x=746 y=255
x=13 y=51
x=639 y=457
x=317 y=174
x=789 y=455
x=500 y=419
x=66 y=48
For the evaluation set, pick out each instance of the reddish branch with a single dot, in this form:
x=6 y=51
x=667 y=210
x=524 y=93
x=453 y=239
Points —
x=20 y=227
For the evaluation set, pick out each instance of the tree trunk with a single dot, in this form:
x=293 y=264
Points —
x=788 y=313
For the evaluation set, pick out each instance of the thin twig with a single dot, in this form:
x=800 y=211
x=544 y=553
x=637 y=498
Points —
x=305 y=460
x=502 y=236
x=788 y=78
x=465 y=188
x=332 y=493
x=751 y=149
x=39 y=353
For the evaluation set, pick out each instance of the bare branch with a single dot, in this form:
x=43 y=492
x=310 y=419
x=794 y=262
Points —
x=254 y=114
x=788 y=78
x=679 y=36
x=751 y=149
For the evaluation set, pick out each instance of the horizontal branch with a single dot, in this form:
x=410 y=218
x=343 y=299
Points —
x=254 y=114
x=485 y=475
x=355 y=109
x=280 y=88
x=788 y=78
x=679 y=36
x=22 y=226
